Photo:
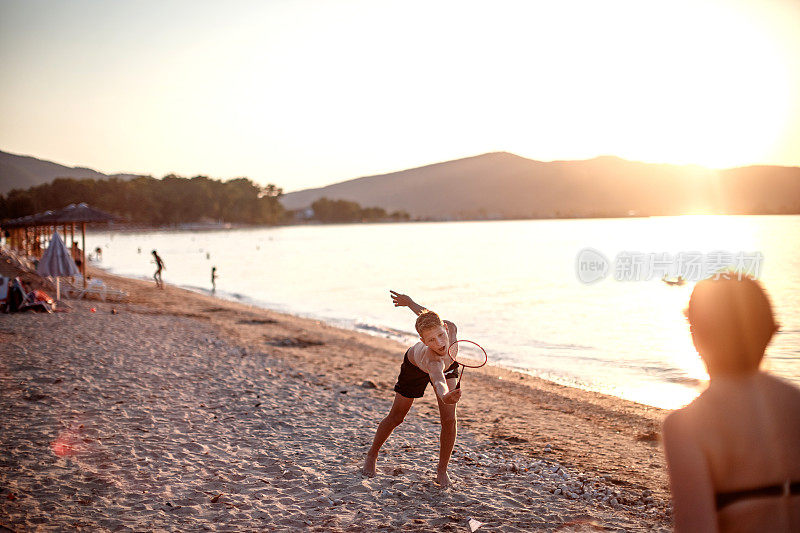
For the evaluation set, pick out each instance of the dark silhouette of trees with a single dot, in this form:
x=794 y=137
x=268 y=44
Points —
x=176 y=200
x=326 y=210
x=145 y=200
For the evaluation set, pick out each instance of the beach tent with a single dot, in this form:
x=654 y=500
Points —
x=57 y=262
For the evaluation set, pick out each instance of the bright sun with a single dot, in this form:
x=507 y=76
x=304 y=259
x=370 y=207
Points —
x=713 y=88
x=311 y=94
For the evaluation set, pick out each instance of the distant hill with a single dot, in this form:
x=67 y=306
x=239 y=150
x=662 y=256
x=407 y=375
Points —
x=504 y=185
x=23 y=172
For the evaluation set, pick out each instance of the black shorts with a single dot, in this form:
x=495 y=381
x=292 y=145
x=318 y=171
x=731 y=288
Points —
x=412 y=381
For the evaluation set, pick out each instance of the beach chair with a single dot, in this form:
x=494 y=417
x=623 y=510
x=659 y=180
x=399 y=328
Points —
x=98 y=288
x=3 y=292
x=73 y=288
x=20 y=299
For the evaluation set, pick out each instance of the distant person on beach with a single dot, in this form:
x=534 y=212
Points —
x=425 y=362
x=214 y=279
x=76 y=254
x=159 y=267
x=733 y=454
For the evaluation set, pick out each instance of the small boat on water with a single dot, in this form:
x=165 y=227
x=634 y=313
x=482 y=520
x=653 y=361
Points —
x=679 y=281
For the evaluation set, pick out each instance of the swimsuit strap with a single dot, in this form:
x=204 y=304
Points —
x=788 y=488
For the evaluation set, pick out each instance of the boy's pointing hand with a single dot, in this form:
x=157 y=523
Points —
x=400 y=300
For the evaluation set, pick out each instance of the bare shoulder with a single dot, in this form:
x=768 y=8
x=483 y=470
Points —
x=785 y=396
x=781 y=385
x=674 y=421
x=680 y=421
x=451 y=327
x=414 y=353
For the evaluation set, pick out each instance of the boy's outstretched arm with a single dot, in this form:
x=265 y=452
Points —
x=403 y=300
x=439 y=383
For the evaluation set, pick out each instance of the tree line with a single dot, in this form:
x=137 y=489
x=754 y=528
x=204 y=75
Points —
x=177 y=200
x=326 y=210
x=147 y=200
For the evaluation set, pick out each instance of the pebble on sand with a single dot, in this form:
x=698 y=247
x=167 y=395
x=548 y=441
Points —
x=474 y=524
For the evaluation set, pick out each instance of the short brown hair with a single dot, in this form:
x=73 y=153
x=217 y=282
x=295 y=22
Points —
x=427 y=320
x=732 y=322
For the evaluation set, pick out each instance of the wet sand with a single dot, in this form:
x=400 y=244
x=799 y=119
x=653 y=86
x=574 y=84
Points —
x=185 y=412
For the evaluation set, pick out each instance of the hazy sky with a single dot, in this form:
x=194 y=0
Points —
x=304 y=93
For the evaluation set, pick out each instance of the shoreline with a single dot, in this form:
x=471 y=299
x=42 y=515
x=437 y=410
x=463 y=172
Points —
x=576 y=455
x=376 y=330
x=621 y=417
x=226 y=226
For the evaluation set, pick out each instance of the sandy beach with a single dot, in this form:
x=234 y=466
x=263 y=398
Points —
x=178 y=411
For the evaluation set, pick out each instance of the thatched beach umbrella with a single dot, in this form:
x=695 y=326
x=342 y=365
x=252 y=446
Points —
x=26 y=229
x=79 y=213
x=72 y=214
x=56 y=262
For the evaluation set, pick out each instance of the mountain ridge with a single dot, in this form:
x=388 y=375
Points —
x=24 y=171
x=504 y=185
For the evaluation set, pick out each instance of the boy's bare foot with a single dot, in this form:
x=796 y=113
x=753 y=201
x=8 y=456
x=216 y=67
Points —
x=443 y=479
x=369 y=466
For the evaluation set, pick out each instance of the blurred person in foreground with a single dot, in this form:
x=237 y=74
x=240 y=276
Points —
x=733 y=454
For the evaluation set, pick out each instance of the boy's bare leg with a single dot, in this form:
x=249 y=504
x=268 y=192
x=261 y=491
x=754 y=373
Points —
x=398 y=412
x=447 y=439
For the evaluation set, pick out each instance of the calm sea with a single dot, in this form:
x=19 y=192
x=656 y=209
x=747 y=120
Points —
x=512 y=286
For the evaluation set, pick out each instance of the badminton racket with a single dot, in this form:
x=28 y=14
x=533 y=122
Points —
x=468 y=354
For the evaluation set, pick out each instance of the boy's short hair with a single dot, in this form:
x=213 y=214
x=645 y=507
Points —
x=427 y=320
x=732 y=322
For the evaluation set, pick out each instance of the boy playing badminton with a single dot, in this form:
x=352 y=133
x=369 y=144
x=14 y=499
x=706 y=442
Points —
x=425 y=362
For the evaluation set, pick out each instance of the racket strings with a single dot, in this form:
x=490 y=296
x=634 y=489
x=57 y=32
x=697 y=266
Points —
x=467 y=354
